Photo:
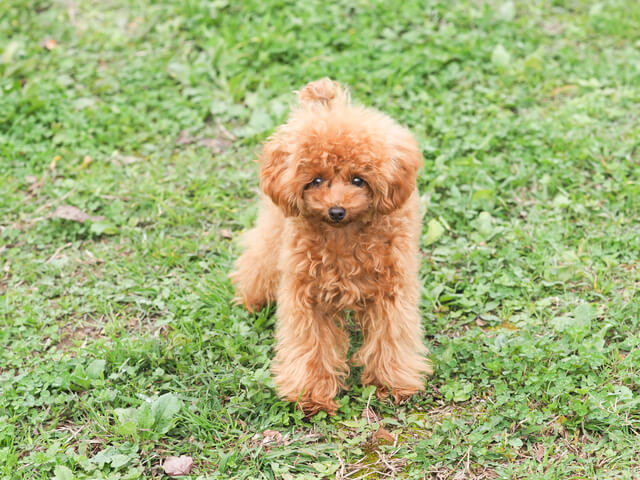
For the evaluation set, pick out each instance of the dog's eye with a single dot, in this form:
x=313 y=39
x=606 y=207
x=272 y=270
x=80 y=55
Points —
x=316 y=182
x=357 y=181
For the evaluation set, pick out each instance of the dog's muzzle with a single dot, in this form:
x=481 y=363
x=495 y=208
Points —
x=337 y=214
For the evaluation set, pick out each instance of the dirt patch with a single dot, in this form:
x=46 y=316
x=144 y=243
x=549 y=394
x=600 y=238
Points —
x=466 y=472
x=217 y=141
x=376 y=464
x=146 y=323
x=77 y=331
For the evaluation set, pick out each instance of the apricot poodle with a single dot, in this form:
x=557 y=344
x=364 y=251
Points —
x=338 y=231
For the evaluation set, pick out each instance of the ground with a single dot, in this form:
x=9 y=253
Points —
x=128 y=138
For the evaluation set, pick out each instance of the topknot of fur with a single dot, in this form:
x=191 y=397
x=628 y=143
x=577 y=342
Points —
x=323 y=92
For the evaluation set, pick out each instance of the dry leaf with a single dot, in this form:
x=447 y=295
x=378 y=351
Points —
x=34 y=183
x=123 y=159
x=563 y=89
x=217 y=145
x=127 y=159
x=69 y=212
x=480 y=322
x=54 y=161
x=135 y=23
x=228 y=234
x=50 y=44
x=539 y=452
x=86 y=161
x=553 y=28
x=383 y=435
x=91 y=259
x=184 y=138
x=271 y=436
x=370 y=415
x=176 y=466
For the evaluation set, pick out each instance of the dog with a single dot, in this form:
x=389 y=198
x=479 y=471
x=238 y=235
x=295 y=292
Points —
x=338 y=231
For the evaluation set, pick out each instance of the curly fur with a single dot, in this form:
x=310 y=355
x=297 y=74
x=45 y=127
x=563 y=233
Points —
x=315 y=268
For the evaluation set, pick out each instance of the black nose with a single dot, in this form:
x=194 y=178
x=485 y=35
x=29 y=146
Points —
x=337 y=213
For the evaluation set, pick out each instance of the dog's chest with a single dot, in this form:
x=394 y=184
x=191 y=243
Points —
x=348 y=272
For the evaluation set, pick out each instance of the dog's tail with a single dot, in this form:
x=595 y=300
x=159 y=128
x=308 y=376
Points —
x=323 y=92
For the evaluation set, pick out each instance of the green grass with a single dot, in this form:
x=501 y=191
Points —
x=119 y=345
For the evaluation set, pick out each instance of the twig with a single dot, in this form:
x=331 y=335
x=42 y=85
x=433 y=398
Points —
x=226 y=132
x=71 y=11
x=53 y=202
x=466 y=467
x=340 y=475
x=462 y=458
x=58 y=251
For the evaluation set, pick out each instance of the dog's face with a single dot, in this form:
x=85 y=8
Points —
x=336 y=192
x=337 y=163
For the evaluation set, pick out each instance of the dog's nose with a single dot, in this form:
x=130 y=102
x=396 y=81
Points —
x=337 y=213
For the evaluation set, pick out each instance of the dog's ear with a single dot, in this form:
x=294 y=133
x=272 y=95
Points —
x=324 y=92
x=397 y=176
x=277 y=175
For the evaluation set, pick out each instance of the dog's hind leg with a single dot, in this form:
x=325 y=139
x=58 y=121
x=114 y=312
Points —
x=255 y=276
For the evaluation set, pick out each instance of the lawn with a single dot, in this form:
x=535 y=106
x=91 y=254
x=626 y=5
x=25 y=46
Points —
x=128 y=137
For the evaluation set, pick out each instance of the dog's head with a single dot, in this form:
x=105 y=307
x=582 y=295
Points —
x=337 y=162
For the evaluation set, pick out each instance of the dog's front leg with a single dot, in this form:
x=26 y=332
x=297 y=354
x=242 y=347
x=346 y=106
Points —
x=310 y=363
x=393 y=352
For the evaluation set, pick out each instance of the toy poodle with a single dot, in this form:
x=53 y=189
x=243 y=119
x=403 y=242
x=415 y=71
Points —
x=338 y=231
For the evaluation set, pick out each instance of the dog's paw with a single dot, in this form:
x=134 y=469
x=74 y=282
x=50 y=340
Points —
x=401 y=395
x=251 y=305
x=311 y=407
x=382 y=392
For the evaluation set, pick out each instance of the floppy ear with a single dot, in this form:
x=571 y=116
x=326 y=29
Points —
x=277 y=176
x=397 y=179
